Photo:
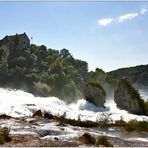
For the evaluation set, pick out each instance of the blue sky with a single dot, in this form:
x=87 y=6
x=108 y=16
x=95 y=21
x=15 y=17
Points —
x=108 y=35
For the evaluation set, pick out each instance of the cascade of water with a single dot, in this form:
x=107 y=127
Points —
x=18 y=103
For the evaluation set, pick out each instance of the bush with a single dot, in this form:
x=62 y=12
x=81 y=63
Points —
x=136 y=125
x=132 y=125
x=4 y=135
x=86 y=138
x=143 y=125
x=103 y=141
x=120 y=122
x=105 y=120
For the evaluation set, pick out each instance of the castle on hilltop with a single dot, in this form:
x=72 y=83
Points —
x=18 y=41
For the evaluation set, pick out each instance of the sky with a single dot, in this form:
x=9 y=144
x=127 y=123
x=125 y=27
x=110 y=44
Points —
x=108 y=35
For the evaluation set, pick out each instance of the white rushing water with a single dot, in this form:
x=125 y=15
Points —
x=18 y=103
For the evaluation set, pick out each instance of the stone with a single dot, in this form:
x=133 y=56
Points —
x=4 y=53
x=48 y=116
x=86 y=138
x=127 y=97
x=94 y=93
x=38 y=113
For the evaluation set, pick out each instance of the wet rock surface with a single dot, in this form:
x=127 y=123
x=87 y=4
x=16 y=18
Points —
x=45 y=132
x=95 y=94
x=38 y=114
x=128 y=98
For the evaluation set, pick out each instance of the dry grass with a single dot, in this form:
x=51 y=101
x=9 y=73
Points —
x=137 y=125
x=121 y=123
x=4 y=135
x=103 y=141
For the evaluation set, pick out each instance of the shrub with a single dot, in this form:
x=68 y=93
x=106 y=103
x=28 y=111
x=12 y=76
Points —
x=120 y=122
x=143 y=125
x=105 y=120
x=136 y=125
x=4 y=135
x=132 y=125
x=103 y=141
x=2 y=139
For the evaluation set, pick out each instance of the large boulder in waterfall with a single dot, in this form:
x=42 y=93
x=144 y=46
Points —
x=95 y=94
x=128 y=98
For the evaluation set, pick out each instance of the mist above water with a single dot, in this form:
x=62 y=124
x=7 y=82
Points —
x=18 y=103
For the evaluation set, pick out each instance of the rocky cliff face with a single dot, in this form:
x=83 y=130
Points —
x=95 y=94
x=4 y=53
x=128 y=98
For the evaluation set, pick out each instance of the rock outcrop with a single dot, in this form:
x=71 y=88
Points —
x=37 y=114
x=128 y=98
x=95 y=94
x=4 y=53
x=86 y=138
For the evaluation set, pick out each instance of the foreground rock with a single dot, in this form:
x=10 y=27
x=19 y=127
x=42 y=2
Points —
x=128 y=98
x=51 y=133
x=95 y=94
x=4 y=135
x=86 y=138
x=34 y=141
x=38 y=114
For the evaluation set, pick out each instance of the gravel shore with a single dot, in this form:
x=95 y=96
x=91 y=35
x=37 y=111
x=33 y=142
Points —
x=34 y=141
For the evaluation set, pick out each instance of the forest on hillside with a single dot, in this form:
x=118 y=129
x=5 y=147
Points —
x=47 y=72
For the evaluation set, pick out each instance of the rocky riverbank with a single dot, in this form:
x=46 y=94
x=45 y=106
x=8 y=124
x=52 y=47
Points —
x=34 y=141
x=47 y=132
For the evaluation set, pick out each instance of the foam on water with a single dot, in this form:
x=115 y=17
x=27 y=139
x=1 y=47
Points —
x=18 y=103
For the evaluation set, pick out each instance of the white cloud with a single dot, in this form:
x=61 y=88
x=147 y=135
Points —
x=105 y=22
x=122 y=18
x=143 y=11
x=127 y=17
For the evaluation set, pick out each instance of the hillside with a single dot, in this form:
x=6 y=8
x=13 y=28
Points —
x=39 y=70
x=50 y=72
x=137 y=75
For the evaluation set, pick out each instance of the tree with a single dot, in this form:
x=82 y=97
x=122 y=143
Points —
x=64 y=53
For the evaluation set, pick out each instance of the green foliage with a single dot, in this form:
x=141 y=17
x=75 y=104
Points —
x=132 y=125
x=64 y=53
x=103 y=141
x=120 y=122
x=137 y=125
x=133 y=91
x=97 y=85
x=143 y=125
x=135 y=94
x=137 y=74
x=57 y=69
